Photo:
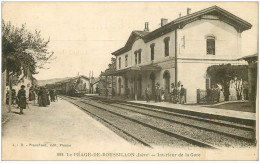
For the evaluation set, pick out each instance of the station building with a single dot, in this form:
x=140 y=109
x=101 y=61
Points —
x=179 y=52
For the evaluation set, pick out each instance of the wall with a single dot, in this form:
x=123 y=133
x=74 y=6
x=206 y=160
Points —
x=193 y=48
x=192 y=75
x=159 y=54
x=227 y=43
x=139 y=44
x=167 y=63
x=123 y=60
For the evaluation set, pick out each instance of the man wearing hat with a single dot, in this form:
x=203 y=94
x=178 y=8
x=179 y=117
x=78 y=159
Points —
x=157 y=93
x=21 y=99
x=147 y=93
x=182 y=95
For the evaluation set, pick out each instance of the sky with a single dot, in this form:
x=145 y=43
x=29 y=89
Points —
x=84 y=34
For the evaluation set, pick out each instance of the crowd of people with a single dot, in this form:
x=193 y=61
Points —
x=38 y=95
x=215 y=94
x=44 y=96
x=236 y=90
x=177 y=95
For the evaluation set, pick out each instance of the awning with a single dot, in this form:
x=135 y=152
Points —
x=249 y=57
x=150 y=67
x=121 y=72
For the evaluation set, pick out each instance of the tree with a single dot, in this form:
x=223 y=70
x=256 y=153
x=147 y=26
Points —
x=23 y=52
x=111 y=68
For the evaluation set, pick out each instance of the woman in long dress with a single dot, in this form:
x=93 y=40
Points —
x=232 y=91
x=31 y=95
x=40 y=93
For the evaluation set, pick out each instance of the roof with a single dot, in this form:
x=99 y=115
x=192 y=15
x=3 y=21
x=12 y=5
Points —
x=250 y=57
x=141 y=33
x=121 y=71
x=225 y=16
x=132 y=38
x=149 y=67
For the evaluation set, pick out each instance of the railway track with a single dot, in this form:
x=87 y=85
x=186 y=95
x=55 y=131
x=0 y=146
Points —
x=187 y=131
x=202 y=118
x=246 y=134
x=131 y=129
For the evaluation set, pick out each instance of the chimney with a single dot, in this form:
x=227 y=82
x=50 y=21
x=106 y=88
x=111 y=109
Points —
x=146 y=26
x=164 y=21
x=188 y=11
x=179 y=14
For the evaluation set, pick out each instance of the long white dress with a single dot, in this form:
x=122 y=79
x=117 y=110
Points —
x=232 y=91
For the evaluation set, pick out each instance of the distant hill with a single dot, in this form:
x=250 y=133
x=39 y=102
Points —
x=51 y=81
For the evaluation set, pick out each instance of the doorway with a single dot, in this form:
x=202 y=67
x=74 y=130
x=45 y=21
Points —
x=119 y=86
x=126 y=87
x=139 y=86
x=152 y=78
x=166 y=77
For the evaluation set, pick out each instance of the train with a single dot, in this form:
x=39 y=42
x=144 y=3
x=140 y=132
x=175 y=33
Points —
x=76 y=87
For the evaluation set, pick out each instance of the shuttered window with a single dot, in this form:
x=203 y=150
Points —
x=135 y=57
x=119 y=62
x=126 y=60
x=139 y=56
x=166 y=46
x=152 y=51
x=210 y=45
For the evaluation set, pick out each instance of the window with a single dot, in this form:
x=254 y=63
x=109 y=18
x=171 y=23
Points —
x=135 y=57
x=139 y=56
x=152 y=51
x=126 y=60
x=166 y=46
x=119 y=62
x=210 y=45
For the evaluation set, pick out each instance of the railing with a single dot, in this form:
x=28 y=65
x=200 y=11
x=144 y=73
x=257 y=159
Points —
x=210 y=95
x=201 y=96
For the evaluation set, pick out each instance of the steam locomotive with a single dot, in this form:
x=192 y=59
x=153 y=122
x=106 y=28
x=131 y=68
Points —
x=77 y=89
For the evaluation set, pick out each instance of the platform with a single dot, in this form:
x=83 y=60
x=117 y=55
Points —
x=61 y=123
x=201 y=109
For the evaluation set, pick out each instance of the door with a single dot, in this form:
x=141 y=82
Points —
x=126 y=85
x=166 y=77
x=139 y=92
x=119 y=86
x=152 y=78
